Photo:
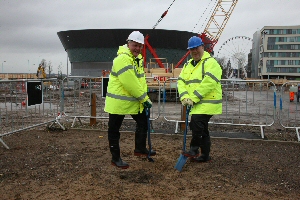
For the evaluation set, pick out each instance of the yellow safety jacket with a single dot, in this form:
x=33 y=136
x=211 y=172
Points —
x=202 y=85
x=127 y=87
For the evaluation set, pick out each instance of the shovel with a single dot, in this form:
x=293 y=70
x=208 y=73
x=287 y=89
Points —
x=182 y=159
x=148 y=135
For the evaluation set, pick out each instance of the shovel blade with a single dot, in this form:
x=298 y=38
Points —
x=180 y=163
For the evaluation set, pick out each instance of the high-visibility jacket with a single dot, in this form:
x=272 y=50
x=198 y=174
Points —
x=127 y=87
x=201 y=83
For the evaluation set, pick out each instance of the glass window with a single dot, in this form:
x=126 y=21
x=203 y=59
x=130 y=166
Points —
x=289 y=31
x=271 y=39
x=291 y=39
x=291 y=62
x=294 y=31
x=270 y=47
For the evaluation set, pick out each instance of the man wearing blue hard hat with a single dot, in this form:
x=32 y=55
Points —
x=199 y=86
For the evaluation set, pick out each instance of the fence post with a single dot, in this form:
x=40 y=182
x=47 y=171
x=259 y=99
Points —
x=93 y=110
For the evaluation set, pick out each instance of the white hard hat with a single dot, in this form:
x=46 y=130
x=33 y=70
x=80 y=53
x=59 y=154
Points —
x=137 y=37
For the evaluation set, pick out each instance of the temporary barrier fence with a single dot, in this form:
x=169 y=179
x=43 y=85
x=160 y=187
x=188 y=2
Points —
x=245 y=103
x=28 y=103
x=78 y=97
x=289 y=116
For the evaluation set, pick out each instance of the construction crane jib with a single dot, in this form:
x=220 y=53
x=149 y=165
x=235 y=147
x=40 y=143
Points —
x=219 y=19
x=214 y=26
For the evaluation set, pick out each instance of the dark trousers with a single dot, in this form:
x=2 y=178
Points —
x=115 y=122
x=200 y=134
x=199 y=124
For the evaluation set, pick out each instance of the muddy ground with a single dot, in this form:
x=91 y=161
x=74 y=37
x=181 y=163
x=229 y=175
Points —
x=75 y=164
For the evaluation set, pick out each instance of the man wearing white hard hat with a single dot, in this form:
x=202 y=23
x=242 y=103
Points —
x=127 y=95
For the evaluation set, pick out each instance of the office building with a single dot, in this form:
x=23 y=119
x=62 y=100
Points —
x=279 y=53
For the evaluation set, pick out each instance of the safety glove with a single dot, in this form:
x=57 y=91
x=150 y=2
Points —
x=183 y=102
x=147 y=104
x=187 y=102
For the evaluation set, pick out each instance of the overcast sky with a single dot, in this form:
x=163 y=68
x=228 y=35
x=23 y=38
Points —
x=28 y=28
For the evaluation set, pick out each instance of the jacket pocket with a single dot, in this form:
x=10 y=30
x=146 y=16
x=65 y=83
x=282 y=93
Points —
x=212 y=95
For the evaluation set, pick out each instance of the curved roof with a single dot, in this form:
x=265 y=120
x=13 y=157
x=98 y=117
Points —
x=108 y=38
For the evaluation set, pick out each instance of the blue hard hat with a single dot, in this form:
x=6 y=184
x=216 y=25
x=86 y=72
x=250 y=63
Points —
x=194 y=42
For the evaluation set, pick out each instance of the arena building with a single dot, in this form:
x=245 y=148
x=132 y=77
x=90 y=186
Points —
x=92 y=51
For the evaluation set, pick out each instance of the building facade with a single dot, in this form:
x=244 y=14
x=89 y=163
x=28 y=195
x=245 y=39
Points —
x=91 y=51
x=279 y=53
x=254 y=55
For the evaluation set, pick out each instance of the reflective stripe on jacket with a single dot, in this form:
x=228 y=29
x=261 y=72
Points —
x=127 y=87
x=202 y=85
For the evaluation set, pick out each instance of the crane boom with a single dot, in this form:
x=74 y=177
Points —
x=215 y=26
x=219 y=18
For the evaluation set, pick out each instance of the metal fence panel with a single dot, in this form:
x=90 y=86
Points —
x=15 y=113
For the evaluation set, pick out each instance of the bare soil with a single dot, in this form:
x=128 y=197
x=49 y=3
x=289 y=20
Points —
x=75 y=164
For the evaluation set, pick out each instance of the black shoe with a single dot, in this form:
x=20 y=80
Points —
x=201 y=159
x=119 y=163
x=144 y=152
x=193 y=152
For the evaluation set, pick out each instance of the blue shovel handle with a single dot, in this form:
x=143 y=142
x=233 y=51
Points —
x=188 y=109
x=148 y=133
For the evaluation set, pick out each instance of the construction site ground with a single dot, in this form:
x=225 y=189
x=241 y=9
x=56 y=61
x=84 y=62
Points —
x=75 y=164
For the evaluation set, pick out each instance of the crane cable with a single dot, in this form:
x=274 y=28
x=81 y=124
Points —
x=209 y=14
x=163 y=15
x=202 y=16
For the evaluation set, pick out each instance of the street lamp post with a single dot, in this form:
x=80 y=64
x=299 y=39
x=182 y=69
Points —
x=2 y=66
